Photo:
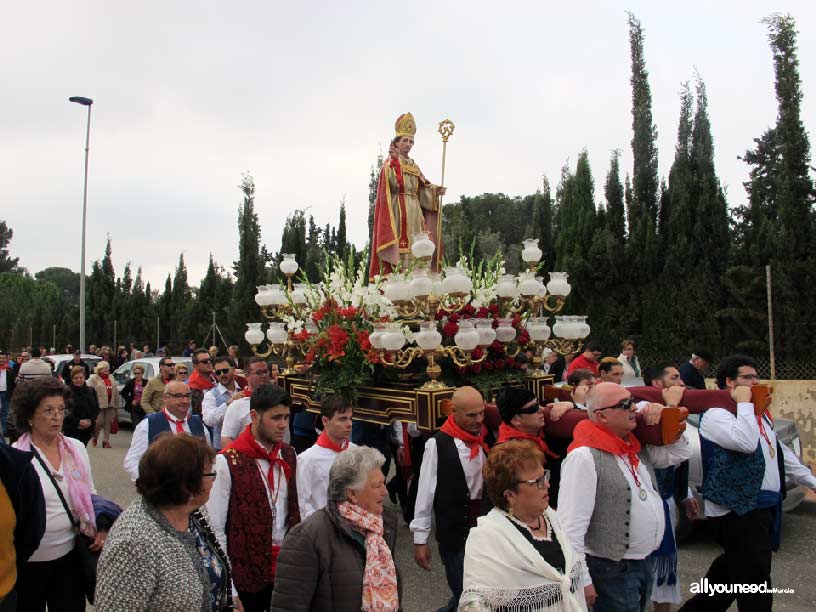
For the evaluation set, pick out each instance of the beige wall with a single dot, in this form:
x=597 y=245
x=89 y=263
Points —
x=795 y=400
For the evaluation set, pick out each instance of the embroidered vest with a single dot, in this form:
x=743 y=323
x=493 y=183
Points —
x=157 y=423
x=732 y=479
x=608 y=531
x=249 y=520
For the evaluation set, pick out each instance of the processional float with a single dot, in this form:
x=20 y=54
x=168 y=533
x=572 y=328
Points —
x=369 y=336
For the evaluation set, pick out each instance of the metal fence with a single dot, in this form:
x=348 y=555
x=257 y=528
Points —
x=786 y=369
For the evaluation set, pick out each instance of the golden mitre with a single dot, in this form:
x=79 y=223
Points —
x=405 y=126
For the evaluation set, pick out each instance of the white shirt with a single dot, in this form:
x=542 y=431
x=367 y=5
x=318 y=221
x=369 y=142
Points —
x=576 y=497
x=213 y=409
x=139 y=443
x=421 y=525
x=3 y=383
x=237 y=418
x=740 y=433
x=218 y=504
x=58 y=539
x=313 y=467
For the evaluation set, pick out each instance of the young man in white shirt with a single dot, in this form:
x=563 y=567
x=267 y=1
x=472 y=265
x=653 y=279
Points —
x=254 y=500
x=745 y=467
x=314 y=463
x=218 y=399
x=237 y=417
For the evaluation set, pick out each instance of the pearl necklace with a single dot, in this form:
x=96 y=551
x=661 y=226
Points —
x=545 y=538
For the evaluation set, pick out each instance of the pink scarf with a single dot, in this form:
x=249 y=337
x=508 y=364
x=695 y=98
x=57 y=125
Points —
x=380 y=576
x=79 y=482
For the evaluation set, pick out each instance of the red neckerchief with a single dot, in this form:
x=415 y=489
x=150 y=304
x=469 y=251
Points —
x=197 y=381
x=246 y=444
x=4 y=366
x=247 y=392
x=508 y=432
x=588 y=433
x=766 y=413
x=326 y=442
x=179 y=422
x=473 y=442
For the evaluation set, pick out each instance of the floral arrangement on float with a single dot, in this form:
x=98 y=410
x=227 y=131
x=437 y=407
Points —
x=465 y=325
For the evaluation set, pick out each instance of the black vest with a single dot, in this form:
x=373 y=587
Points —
x=452 y=496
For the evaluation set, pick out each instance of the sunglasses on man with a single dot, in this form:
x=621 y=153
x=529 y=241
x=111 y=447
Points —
x=222 y=371
x=621 y=405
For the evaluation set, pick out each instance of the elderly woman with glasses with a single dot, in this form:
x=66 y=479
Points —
x=342 y=556
x=518 y=557
x=161 y=555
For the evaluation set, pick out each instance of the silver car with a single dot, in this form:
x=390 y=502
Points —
x=151 y=365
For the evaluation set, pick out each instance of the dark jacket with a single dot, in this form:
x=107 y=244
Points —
x=85 y=405
x=691 y=376
x=25 y=492
x=69 y=365
x=321 y=564
x=127 y=393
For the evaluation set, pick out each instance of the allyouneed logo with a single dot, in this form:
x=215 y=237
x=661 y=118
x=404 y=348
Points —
x=711 y=588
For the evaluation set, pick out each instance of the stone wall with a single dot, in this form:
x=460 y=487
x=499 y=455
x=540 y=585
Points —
x=795 y=400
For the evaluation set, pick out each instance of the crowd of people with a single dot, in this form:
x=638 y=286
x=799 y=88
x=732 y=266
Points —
x=239 y=508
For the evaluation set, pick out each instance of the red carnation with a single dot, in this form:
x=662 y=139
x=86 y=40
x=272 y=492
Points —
x=511 y=362
x=347 y=313
x=482 y=313
x=499 y=364
x=453 y=317
x=488 y=365
x=477 y=353
x=523 y=338
x=450 y=328
x=494 y=309
x=363 y=341
x=476 y=368
x=468 y=310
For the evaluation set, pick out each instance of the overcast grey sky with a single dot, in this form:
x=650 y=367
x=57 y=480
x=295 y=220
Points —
x=188 y=95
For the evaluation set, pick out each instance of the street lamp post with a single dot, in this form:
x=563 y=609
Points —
x=84 y=102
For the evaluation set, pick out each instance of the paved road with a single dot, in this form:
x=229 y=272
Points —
x=426 y=591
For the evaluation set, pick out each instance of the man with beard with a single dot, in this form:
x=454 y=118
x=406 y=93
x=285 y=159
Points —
x=201 y=380
x=254 y=500
x=238 y=416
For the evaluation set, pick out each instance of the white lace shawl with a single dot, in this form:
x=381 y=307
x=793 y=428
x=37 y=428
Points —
x=503 y=570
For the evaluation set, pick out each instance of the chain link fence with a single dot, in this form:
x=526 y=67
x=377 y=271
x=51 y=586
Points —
x=786 y=369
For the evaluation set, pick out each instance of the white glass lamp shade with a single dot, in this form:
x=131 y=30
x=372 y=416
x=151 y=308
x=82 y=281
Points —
x=428 y=338
x=467 y=338
x=375 y=337
x=263 y=297
x=276 y=296
x=506 y=287
x=583 y=327
x=484 y=327
x=560 y=327
x=277 y=334
x=288 y=265
x=573 y=328
x=528 y=285
x=505 y=332
x=397 y=289
x=299 y=294
x=558 y=285
x=393 y=339
x=422 y=245
x=538 y=329
x=421 y=284
x=436 y=280
x=530 y=252
x=254 y=334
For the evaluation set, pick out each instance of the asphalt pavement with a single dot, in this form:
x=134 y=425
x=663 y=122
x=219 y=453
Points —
x=426 y=591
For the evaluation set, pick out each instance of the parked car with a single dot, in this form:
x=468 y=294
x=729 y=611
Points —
x=58 y=361
x=786 y=432
x=151 y=365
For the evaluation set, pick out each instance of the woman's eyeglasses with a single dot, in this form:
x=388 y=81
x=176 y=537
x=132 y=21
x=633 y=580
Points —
x=539 y=482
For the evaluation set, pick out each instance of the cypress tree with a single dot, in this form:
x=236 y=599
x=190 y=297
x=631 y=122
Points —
x=615 y=217
x=643 y=208
x=249 y=269
x=340 y=242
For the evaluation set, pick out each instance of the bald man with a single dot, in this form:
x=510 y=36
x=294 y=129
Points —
x=450 y=483
x=609 y=502
x=174 y=417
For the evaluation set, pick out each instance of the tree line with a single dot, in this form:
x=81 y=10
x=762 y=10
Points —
x=664 y=261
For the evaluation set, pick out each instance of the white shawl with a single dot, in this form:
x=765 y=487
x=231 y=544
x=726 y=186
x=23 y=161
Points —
x=502 y=569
